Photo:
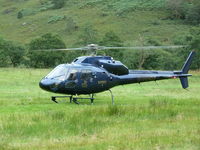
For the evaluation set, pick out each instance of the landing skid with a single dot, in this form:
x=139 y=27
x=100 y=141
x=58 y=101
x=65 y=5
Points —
x=72 y=99
x=75 y=99
x=53 y=98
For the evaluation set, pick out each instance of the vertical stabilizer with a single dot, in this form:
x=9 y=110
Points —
x=185 y=69
x=187 y=63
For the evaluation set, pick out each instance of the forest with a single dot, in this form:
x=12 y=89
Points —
x=169 y=23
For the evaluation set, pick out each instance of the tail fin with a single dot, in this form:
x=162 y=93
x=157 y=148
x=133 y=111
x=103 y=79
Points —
x=188 y=62
x=185 y=69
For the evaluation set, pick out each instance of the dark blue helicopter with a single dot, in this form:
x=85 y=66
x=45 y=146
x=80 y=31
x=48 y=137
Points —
x=94 y=74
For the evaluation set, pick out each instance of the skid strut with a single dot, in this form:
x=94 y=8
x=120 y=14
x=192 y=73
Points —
x=113 y=102
x=53 y=98
x=74 y=99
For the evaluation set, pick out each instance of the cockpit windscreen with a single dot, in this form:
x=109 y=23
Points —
x=58 y=73
x=62 y=73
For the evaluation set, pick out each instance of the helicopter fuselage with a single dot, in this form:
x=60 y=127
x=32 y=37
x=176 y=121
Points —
x=79 y=79
x=93 y=74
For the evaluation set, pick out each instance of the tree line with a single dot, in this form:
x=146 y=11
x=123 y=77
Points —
x=30 y=55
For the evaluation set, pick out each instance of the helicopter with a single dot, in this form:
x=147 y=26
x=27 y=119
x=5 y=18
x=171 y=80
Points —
x=88 y=75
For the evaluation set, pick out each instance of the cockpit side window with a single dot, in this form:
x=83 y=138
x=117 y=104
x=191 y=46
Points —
x=86 y=74
x=75 y=60
x=72 y=74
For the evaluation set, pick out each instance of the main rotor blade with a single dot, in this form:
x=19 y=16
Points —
x=64 y=49
x=95 y=48
x=146 y=47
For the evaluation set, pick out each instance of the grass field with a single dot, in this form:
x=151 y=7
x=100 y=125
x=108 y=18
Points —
x=146 y=116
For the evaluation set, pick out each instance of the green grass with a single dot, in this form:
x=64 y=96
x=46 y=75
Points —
x=146 y=116
x=130 y=19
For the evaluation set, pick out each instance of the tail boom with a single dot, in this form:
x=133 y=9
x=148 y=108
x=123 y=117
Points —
x=137 y=76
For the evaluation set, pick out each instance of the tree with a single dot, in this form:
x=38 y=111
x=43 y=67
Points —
x=11 y=53
x=111 y=39
x=16 y=54
x=4 y=61
x=177 y=8
x=88 y=35
x=162 y=60
x=49 y=58
x=70 y=25
x=195 y=45
x=193 y=40
x=193 y=13
x=46 y=41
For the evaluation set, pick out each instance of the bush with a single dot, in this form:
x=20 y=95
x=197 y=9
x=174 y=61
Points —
x=70 y=25
x=193 y=13
x=189 y=11
x=19 y=15
x=57 y=4
x=46 y=5
x=88 y=35
x=51 y=4
x=54 y=19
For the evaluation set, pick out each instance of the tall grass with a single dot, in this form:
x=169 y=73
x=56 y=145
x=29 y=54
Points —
x=147 y=116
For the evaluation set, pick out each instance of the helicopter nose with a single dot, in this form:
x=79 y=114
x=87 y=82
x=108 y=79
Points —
x=47 y=84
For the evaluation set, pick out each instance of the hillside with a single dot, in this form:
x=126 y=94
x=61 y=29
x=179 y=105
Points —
x=130 y=19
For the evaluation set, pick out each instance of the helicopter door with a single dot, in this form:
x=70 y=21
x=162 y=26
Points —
x=71 y=78
x=102 y=80
x=86 y=78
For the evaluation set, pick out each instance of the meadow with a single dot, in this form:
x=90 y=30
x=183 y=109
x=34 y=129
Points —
x=154 y=115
